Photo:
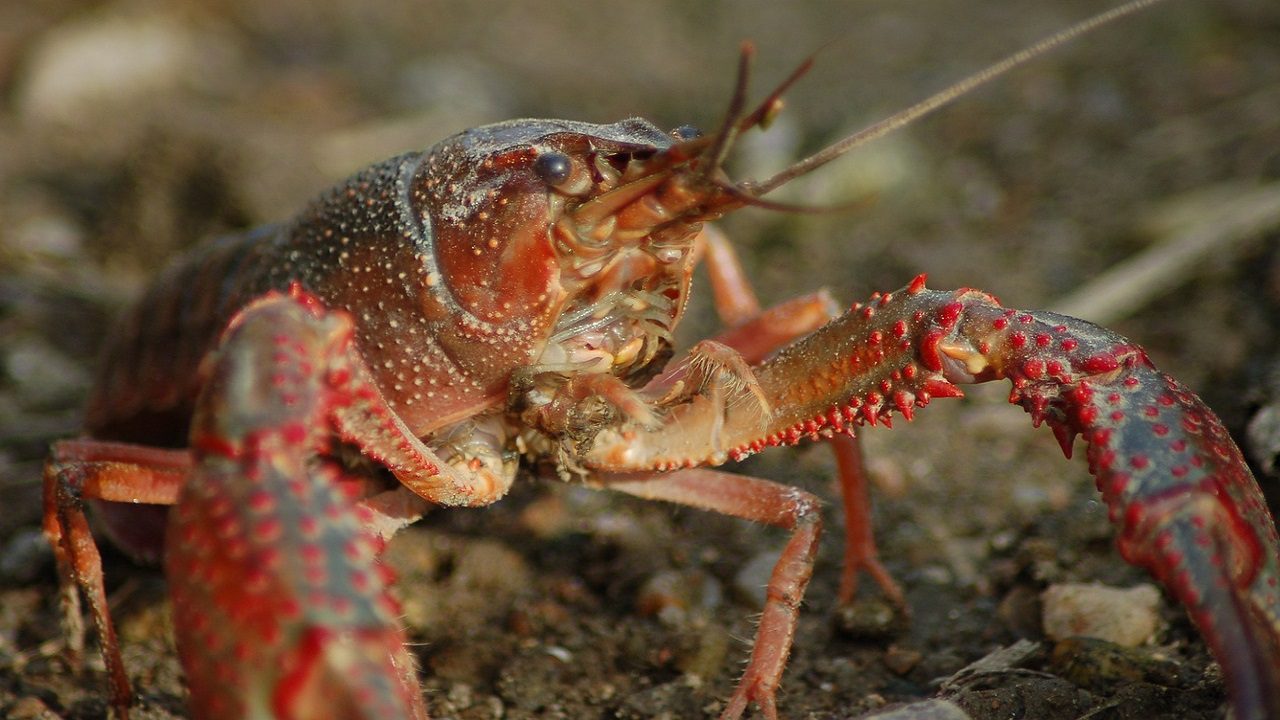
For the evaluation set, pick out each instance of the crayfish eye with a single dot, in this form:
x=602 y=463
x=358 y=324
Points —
x=553 y=167
x=686 y=132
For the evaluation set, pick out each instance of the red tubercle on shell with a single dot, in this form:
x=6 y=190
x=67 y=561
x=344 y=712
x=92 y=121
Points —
x=1033 y=368
x=929 y=353
x=949 y=315
x=937 y=387
x=1066 y=437
x=1101 y=363
x=904 y=402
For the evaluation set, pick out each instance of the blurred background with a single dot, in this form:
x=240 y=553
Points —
x=130 y=130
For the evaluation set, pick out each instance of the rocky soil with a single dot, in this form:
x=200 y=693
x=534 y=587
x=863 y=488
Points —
x=130 y=130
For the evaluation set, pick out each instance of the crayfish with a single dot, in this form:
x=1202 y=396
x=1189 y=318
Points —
x=505 y=301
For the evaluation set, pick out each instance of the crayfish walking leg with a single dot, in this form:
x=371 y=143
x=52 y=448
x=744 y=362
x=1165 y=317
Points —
x=756 y=333
x=764 y=502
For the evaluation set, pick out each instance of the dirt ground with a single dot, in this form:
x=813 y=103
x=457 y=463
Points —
x=130 y=130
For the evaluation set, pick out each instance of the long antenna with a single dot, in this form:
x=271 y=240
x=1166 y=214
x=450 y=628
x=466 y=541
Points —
x=928 y=105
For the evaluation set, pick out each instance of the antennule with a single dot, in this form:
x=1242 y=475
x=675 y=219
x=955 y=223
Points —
x=731 y=126
x=735 y=121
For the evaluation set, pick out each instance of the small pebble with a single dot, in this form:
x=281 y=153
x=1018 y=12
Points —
x=24 y=557
x=900 y=660
x=559 y=653
x=749 y=582
x=43 y=374
x=869 y=619
x=674 y=595
x=99 y=63
x=1127 y=617
x=1100 y=666
x=1020 y=610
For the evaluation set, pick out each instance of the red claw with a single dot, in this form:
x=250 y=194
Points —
x=1187 y=507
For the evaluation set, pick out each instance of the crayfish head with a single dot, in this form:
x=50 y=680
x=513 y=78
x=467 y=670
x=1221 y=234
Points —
x=576 y=233
x=590 y=231
x=585 y=235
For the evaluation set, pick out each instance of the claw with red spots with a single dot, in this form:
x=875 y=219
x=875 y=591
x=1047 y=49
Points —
x=279 y=604
x=1186 y=506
